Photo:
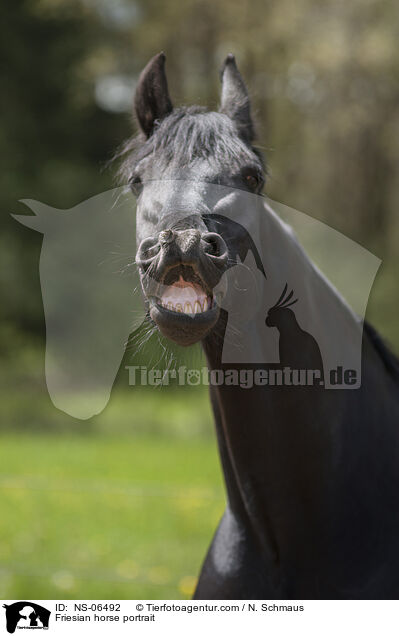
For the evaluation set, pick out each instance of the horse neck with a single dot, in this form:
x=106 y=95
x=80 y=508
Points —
x=276 y=442
x=274 y=446
x=319 y=309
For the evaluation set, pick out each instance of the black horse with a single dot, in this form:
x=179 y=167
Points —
x=312 y=476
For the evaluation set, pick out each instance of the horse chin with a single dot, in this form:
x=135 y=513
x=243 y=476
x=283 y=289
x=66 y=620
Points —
x=184 y=329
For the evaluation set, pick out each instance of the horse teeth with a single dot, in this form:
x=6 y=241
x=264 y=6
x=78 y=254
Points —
x=197 y=307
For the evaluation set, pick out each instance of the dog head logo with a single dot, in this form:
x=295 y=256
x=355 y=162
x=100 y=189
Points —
x=26 y=615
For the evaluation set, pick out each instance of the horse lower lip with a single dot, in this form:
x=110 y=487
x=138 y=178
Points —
x=184 y=329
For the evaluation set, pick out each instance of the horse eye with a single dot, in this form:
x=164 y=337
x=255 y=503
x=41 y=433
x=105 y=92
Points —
x=135 y=185
x=252 y=181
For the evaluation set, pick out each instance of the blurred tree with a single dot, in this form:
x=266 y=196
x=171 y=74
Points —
x=54 y=138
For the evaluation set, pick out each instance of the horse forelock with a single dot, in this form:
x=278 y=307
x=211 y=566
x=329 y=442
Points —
x=186 y=135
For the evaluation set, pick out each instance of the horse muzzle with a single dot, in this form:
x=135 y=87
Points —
x=179 y=272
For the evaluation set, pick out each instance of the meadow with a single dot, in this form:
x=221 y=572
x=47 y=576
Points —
x=122 y=508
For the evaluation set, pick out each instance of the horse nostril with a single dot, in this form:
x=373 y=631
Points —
x=147 y=251
x=211 y=246
x=215 y=247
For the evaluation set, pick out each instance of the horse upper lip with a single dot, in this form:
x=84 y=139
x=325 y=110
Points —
x=154 y=285
x=187 y=272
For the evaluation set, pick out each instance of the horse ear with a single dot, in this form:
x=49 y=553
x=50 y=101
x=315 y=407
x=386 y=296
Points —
x=235 y=99
x=152 y=101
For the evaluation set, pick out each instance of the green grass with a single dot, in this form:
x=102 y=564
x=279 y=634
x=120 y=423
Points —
x=105 y=517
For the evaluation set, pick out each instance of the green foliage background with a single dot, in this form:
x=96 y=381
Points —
x=124 y=505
